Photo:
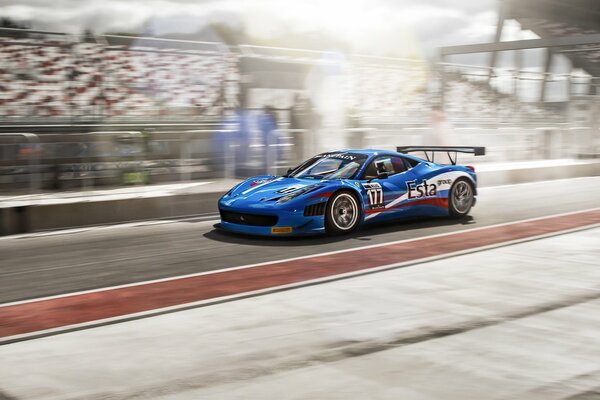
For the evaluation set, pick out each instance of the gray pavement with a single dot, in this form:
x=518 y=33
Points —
x=517 y=322
x=67 y=261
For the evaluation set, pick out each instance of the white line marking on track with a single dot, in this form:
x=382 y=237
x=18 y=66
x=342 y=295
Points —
x=274 y=289
x=172 y=278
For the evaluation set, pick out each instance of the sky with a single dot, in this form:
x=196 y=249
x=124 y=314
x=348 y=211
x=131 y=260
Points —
x=413 y=28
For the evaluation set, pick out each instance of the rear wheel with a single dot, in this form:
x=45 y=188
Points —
x=460 y=198
x=342 y=213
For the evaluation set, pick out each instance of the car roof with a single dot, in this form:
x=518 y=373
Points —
x=368 y=152
x=376 y=152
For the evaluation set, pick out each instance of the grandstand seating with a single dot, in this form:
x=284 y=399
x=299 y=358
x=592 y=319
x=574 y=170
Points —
x=468 y=100
x=396 y=94
x=385 y=91
x=61 y=76
x=42 y=77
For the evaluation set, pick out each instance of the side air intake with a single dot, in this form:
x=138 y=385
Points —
x=315 y=209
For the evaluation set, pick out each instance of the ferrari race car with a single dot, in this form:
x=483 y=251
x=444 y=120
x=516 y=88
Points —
x=336 y=192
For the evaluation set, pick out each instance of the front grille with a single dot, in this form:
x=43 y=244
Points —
x=248 y=219
x=315 y=209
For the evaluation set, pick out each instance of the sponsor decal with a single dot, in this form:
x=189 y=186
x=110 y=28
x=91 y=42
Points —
x=341 y=156
x=258 y=182
x=374 y=195
x=441 y=182
x=324 y=194
x=372 y=185
x=421 y=190
x=281 y=229
x=290 y=189
x=357 y=184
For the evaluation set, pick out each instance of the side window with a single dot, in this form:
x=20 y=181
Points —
x=371 y=171
x=410 y=163
x=399 y=165
x=384 y=164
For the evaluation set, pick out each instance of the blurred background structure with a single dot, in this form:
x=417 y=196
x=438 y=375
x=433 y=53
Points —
x=122 y=122
x=101 y=110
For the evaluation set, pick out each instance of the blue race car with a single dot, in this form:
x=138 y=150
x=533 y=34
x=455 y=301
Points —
x=336 y=192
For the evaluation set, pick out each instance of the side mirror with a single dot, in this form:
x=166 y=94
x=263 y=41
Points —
x=288 y=172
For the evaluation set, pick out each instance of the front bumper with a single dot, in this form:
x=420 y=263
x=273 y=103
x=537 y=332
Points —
x=289 y=223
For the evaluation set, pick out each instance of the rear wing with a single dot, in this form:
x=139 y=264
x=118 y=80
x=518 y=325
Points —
x=431 y=150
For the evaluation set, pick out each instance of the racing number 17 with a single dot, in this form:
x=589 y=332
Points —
x=375 y=197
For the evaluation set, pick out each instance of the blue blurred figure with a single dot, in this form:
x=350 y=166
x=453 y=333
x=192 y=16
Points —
x=230 y=141
x=248 y=142
x=267 y=123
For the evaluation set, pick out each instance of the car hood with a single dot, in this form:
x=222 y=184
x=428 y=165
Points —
x=269 y=189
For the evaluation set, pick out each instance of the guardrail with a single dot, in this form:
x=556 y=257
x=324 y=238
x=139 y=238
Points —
x=117 y=158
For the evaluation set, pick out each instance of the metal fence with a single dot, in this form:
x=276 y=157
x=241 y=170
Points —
x=34 y=163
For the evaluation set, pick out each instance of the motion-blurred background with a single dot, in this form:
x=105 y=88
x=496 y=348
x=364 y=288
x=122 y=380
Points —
x=122 y=122
x=98 y=94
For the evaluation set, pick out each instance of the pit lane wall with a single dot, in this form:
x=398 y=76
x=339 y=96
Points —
x=32 y=218
x=33 y=215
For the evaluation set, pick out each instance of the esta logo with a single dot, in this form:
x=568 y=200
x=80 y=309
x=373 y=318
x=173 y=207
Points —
x=423 y=189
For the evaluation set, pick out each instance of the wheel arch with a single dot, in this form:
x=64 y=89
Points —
x=468 y=179
x=355 y=192
x=357 y=197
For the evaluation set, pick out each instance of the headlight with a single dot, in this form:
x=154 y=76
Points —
x=297 y=193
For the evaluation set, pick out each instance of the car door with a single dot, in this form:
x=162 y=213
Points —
x=384 y=181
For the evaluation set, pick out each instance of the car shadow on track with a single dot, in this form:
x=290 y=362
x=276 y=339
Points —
x=362 y=234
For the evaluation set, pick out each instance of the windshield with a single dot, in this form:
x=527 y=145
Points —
x=330 y=166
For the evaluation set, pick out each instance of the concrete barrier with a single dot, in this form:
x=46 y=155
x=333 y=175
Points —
x=46 y=217
x=535 y=174
x=14 y=220
x=22 y=217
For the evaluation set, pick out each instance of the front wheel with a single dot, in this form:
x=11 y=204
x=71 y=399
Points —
x=460 y=198
x=342 y=213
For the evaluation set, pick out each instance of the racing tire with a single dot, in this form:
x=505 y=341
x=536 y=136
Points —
x=461 y=198
x=342 y=214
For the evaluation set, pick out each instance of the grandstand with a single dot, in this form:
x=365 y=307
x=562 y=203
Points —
x=185 y=92
x=46 y=75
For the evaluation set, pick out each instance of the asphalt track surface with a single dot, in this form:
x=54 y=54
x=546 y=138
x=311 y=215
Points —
x=35 y=266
